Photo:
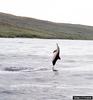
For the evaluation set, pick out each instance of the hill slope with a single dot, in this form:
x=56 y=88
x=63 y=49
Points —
x=15 y=26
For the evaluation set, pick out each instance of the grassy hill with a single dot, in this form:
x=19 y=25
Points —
x=15 y=26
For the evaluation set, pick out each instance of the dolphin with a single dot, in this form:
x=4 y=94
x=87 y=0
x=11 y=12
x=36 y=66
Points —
x=55 y=56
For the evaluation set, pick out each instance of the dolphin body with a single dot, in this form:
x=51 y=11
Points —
x=55 y=56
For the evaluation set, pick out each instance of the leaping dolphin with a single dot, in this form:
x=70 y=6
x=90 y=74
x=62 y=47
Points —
x=55 y=56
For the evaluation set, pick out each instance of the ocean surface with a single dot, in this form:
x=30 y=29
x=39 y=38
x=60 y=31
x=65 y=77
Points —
x=26 y=69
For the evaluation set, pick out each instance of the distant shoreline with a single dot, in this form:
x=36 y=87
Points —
x=22 y=27
x=41 y=38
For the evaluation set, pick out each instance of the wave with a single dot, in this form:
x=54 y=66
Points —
x=17 y=68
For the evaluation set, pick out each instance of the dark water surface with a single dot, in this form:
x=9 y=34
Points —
x=25 y=69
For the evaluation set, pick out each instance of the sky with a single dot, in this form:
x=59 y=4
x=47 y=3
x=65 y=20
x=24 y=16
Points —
x=61 y=11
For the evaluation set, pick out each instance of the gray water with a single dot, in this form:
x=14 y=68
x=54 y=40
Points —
x=26 y=69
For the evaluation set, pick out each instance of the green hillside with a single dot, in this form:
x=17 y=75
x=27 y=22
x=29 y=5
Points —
x=15 y=26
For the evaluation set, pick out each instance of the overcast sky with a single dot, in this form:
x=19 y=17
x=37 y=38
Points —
x=65 y=11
